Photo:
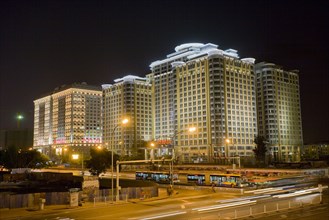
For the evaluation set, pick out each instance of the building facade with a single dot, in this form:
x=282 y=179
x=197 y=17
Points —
x=68 y=121
x=202 y=86
x=279 y=111
x=316 y=151
x=43 y=121
x=130 y=97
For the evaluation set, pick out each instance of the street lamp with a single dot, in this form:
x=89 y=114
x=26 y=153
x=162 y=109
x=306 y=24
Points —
x=152 y=145
x=226 y=148
x=64 y=150
x=76 y=157
x=123 y=122
x=19 y=117
x=171 y=169
x=236 y=156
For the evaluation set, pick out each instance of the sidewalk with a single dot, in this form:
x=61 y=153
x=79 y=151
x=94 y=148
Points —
x=24 y=212
x=49 y=209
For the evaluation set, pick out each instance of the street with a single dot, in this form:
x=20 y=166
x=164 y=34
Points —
x=131 y=209
x=187 y=204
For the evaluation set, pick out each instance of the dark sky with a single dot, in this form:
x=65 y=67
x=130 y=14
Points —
x=45 y=44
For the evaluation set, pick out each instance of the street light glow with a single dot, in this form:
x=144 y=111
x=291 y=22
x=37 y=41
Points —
x=75 y=156
x=125 y=121
x=19 y=118
x=192 y=129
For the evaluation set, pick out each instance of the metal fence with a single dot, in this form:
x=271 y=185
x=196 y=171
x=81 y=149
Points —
x=104 y=196
x=31 y=200
x=11 y=201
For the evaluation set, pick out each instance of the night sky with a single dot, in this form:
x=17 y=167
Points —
x=45 y=44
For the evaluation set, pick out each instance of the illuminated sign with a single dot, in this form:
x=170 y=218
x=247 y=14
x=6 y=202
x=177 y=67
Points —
x=60 y=140
x=91 y=140
x=164 y=142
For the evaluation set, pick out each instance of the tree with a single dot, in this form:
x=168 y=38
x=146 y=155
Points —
x=9 y=157
x=100 y=160
x=260 y=149
x=16 y=158
x=33 y=159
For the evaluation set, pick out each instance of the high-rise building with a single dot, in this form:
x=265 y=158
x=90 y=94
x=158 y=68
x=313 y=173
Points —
x=202 y=86
x=227 y=99
x=130 y=97
x=68 y=120
x=43 y=121
x=279 y=111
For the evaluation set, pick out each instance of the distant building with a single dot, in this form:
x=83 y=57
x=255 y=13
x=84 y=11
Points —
x=19 y=138
x=212 y=90
x=130 y=97
x=279 y=111
x=316 y=151
x=68 y=121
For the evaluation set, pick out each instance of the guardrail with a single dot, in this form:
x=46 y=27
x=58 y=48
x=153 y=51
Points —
x=268 y=207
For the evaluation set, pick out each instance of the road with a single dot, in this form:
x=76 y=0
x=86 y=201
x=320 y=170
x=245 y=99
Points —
x=185 y=205
x=131 y=210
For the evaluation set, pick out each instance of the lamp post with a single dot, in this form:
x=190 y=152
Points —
x=64 y=150
x=76 y=157
x=236 y=156
x=123 y=122
x=19 y=118
x=152 y=145
x=227 y=141
x=171 y=168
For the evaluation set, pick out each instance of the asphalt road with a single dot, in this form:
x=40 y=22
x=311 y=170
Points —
x=131 y=210
x=180 y=206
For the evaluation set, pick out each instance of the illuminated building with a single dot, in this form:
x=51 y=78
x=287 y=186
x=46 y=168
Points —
x=42 y=122
x=211 y=89
x=69 y=118
x=130 y=97
x=278 y=110
x=198 y=85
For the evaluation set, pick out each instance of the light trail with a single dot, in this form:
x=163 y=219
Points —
x=301 y=192
x=208 y=208
x=267 y=190
x=243 y=198
x=164 y=215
